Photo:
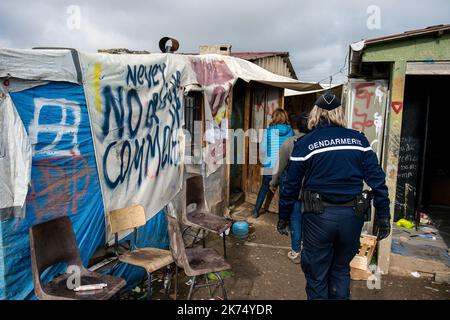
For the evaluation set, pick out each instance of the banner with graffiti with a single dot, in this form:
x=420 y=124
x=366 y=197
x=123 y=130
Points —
x=135 y=107
x=64 y=180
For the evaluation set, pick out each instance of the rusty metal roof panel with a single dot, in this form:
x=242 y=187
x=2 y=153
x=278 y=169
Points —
x=409 y=34
x=258 y=55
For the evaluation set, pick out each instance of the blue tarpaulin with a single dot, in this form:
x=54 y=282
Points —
x=64 y=181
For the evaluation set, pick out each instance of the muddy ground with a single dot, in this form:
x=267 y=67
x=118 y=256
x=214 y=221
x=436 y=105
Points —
x=263 y=271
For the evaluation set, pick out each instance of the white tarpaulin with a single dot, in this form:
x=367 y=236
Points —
x=15 y=155
x=135 y=104
x=290 y=93
x=135 y=107
x=216 y=75
x=216 y=79
x=49 y=65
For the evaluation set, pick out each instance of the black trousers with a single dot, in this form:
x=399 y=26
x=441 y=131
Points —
x=330 y=241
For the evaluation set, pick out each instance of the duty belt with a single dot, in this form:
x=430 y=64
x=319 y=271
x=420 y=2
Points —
x=313 y=202
x=345 y=204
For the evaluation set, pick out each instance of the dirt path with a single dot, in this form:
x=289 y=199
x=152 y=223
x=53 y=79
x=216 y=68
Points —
x=265 y=272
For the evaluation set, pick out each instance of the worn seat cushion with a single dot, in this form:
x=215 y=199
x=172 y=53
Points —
x=151 y=259
x=204 y=260
x=58 y=289
x=207 y=220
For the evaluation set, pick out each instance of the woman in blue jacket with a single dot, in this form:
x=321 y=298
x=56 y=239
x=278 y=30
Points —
x=278 y=131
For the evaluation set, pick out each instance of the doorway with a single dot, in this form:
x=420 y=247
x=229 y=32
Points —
x=424 y=167
x=264 y=100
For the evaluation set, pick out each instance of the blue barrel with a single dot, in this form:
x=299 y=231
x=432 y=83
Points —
x=240 y=230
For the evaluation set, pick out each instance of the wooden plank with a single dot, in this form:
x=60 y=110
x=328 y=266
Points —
x=281 y=98
x=391 y=152
x=363 y=250
x=263 y=245
x=368 y=240
x=254 y=170
x=247 y=114
x=426 y=68
x=357 y=274
x=370 y=253
x=362 y=259
x=359 y=262
x=127 y=218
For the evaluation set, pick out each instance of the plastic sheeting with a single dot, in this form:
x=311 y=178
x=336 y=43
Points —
x=15 y=156
x=64 y=181
x=50 y=65
x=249 y=71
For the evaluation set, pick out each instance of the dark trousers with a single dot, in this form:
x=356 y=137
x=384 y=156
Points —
x=296 y=227
x=263 y=190
x=330 y=241
x=296 y=220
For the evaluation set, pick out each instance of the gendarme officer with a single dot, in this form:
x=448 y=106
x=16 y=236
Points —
x=329 y=166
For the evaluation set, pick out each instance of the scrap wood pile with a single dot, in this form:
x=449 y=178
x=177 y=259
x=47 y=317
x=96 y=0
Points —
x=359 y=266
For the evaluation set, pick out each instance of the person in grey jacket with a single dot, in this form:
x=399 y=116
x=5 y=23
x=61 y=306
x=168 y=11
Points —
x=301 y=123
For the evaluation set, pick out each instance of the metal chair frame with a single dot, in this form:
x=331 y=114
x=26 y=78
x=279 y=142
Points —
x=194 y=283
x=197 y=196
x=133 y=246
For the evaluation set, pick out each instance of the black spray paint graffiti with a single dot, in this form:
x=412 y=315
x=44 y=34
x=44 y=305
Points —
x=139 y=134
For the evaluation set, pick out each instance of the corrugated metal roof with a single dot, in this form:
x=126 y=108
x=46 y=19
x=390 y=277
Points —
x=409 y=34
x=253 y=56
x=258 y=55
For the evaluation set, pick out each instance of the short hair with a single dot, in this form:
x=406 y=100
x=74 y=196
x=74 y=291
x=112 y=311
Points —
x=301 y=122
x=280 y=116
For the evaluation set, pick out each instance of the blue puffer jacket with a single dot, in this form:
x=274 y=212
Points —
x=271 y=143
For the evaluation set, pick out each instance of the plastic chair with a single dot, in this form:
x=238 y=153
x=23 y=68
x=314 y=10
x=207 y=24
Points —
x=197 y=214
x=195 y=261
x=150 y=259
x=54 y=242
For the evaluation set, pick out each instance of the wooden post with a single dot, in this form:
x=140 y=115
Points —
x=247 y=122
x=228 y=152
x=281 y=98
x=394 y=129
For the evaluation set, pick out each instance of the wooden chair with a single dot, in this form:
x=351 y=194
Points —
x=197 y=214
x=150 y=259
x=195 y=261
x=54 y=242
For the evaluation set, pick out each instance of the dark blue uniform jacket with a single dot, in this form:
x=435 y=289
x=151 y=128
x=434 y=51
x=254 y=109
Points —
x=334 y=162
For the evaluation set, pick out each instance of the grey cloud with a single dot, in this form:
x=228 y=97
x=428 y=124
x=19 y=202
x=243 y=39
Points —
x=316 y=33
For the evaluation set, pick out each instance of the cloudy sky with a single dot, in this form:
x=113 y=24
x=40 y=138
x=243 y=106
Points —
x=316 y=33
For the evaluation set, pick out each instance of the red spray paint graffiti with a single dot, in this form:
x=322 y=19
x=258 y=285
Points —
x=363 y=93
x=215 y=74
x=397 y=106
x=62 y=189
